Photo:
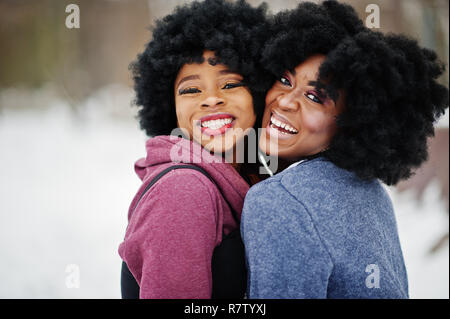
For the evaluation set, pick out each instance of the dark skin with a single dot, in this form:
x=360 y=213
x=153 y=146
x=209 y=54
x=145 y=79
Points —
x=205 y=90
x=298 y=121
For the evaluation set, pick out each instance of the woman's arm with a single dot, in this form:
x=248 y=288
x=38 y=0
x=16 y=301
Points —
x=171 y=237
x=285 y=255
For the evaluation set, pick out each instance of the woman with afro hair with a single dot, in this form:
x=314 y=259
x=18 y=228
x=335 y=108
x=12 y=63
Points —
x=200 y=76
x=351 y=108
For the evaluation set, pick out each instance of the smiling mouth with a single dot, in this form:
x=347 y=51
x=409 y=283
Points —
x=216 y=124
x=281 y=126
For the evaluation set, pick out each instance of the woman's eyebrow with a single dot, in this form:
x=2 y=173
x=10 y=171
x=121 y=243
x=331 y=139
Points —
x=187 y=78
x=226 y=71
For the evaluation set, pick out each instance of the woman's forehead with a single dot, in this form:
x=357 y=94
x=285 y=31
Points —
x=308 y=69
x=196 y=71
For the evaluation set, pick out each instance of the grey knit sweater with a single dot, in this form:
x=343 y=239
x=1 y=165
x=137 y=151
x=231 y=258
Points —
x=318 y=231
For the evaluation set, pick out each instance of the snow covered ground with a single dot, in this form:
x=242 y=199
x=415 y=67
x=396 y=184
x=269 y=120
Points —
x=67 y=180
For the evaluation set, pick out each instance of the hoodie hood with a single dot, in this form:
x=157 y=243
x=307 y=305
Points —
x=165 y=150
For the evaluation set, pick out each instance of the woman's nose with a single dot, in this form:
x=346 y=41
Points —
x=288 y=101
x=212 y=101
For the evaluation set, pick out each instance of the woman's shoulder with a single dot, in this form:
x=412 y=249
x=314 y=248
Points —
x=320 y=186
x=179 y=194
x=309 y=174
x=265 y=198
x=185 y=180
x=324 y=174
x=316 y=182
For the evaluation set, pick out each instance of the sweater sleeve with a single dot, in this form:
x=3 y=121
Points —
x=285 y=255
x=171 y=238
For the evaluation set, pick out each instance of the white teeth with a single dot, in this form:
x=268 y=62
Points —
x=283 y=125
x=216 y=124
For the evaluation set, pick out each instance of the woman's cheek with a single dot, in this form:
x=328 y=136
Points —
x=248 y=115
x=270 y=96
x=317 y=122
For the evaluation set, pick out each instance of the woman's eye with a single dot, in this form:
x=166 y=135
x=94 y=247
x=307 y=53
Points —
x=313 y=97
x=233 y=85
x=284 y=80
x=189 y=91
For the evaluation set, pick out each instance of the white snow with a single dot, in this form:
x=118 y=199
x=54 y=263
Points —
x=67 y=180
x=443 y=121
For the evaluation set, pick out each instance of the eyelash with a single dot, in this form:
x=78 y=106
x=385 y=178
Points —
x=188 y=91
x=195 y=90
x=314 y=98
x=233 y=85
x=310 y=95
x=286 y=79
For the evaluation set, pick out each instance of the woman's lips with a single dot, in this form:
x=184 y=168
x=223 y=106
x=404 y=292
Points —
x=216 y=124
x=278 y=119
x=284 y=132
x=219 y=131
x=273 y=132
x=216 y=116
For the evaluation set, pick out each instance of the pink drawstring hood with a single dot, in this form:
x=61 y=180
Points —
x=176 y=225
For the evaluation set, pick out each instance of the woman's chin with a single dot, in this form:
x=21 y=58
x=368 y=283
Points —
x=218 y=146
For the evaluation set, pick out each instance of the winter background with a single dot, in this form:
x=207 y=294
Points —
x=69 y=138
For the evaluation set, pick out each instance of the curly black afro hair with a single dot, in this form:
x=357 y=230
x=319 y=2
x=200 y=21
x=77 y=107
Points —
x=392 y=96
x=234 y=31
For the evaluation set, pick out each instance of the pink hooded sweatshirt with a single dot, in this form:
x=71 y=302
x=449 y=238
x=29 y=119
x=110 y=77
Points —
x=172 y=233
